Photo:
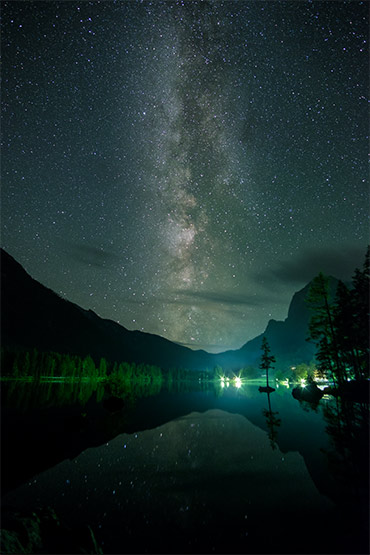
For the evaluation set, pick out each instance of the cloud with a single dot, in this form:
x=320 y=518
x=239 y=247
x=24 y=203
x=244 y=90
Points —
x=91 y=256
x=208 y=347
x=339 y=263
x=209 y=300
x=213 y=297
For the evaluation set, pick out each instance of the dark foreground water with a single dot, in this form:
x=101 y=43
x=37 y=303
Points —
x=213 y=471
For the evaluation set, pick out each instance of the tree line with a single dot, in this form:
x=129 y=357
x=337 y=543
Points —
x=37 y=365
x=339 y=325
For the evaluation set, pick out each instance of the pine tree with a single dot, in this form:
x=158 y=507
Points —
x=103 y=368
x=343 y=321
x=361 y=288
x=321 y=327
x=267 y=360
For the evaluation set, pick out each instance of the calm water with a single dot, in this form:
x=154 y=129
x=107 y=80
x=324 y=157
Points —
x=219 y=470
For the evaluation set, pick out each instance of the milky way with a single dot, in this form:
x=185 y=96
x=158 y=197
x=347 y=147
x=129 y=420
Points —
x=185 y=167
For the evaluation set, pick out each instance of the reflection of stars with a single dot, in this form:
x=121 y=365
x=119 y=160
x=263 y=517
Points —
x=148 y=475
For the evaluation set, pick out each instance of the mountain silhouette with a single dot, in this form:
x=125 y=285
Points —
x=287 y=339
x=34 y=316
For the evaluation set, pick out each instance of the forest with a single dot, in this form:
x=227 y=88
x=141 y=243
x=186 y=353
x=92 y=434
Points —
x=339 y=326
x=38 y=366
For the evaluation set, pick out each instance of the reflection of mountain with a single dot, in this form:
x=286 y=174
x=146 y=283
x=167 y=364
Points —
x=52 y=434
x=71 y=427
x=34 y=316
x=68 y=421
x=160 y=490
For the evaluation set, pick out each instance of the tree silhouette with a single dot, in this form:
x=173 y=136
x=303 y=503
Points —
x=267 y=360
x=321 y=327
x=361 y=291
x=345 y=329
x=340 y=327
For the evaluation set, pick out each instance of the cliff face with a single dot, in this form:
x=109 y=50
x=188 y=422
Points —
x=287 y=338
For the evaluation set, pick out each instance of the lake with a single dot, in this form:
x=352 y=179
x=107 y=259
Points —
x=211 y=470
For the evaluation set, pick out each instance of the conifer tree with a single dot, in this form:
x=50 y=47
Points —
x=344 y=325
x=267 y=360
x=103 y=368
x=361 y=290
x=321 y=327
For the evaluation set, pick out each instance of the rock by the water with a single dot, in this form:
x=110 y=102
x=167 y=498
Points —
x=266 y=389
x=310 y=393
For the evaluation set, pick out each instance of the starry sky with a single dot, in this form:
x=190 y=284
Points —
x=183 y=168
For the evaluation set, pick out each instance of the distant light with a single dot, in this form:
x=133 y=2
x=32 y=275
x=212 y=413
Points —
x=238 y=382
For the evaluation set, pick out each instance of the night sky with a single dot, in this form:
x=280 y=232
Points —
x=184 y=167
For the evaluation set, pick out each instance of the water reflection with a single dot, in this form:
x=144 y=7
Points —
x=223 y=449
x=272 y=422
x=202 y=483
x=348 y=455
x=26 y=396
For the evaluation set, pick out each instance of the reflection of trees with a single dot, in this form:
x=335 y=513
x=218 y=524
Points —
x=308 y=406
x=348 y=429
x=272 y=422
x=26 y=396
x=348 y=460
